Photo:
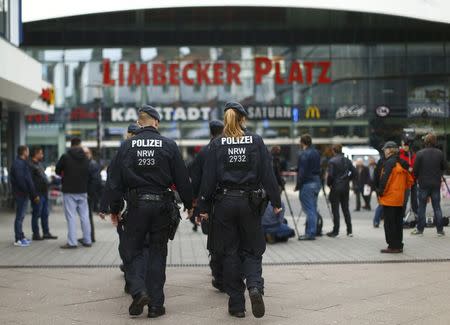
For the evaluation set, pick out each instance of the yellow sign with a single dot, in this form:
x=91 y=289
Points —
x=312 y=111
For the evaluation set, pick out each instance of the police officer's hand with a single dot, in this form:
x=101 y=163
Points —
x=277 y=210
x=115 y=218
x=201 y=217
x=37 y=200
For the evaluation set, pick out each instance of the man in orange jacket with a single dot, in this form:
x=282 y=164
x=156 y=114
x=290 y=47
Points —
x=395 y=179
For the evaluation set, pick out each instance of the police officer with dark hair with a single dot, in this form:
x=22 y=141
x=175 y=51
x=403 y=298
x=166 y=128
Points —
x=237 y=171
x=145 y=167
x=196 y=172
x=132 y=130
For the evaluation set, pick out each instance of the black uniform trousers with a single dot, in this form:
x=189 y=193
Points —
x=393 y=226
x=340 y=197
x=147 y=218
x=239 y=236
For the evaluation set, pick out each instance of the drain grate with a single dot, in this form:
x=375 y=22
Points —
x=106 y=266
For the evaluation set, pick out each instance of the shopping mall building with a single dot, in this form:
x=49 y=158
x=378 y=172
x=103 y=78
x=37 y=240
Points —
x=22 y=91
x=356 y=74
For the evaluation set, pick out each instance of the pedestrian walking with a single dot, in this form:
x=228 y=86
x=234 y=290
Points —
x=73 y=167
x=429 y=167
x=22 y=189
x=94 y=188
x=393 y=182
x=196 y=169
x=41 y=183
x=238 y=173
x=308 y=184
x=340 y=172
x=361 y=185
x=145 y=167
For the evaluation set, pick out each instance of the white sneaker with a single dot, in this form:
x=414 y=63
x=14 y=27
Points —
x=22 y=243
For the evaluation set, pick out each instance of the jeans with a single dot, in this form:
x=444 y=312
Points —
x=378 y=214
x=21 y=207
x=73 y=204
x=40 y=211
x=435 y=194
x=309 y=193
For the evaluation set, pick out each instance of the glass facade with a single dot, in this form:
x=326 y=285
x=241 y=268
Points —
x=326 y=90
x=353 y=78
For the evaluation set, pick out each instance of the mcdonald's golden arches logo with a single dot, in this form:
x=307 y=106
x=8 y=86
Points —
x=313 y=112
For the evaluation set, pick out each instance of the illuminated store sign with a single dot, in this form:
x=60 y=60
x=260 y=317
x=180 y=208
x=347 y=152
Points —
x=428 y=110
x=350 y=111
x=214 y=73
x=312 y=112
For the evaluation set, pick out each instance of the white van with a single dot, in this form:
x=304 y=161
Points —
x=364 y=152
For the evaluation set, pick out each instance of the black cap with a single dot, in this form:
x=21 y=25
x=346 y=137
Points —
x=389 y=145
x=150 y=111
x=216 y=124
x=132 y=128
x=237 y=107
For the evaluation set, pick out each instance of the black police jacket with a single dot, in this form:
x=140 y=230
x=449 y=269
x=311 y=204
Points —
x=238 y=163
x=148 y=163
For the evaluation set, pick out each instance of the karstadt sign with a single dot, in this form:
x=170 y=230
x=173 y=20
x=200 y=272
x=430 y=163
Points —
x=130 y=114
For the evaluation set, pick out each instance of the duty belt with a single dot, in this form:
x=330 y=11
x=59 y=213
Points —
x=234 y=192
x=151 y=197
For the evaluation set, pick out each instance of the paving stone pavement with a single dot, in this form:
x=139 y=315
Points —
x=189 y=248
x=413 y=294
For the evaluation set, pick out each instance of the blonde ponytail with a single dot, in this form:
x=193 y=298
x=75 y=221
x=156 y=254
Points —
x=233 y=122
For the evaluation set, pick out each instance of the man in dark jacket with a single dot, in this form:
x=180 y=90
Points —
x=340 y=172
x=22 y=188
x=361 y=185
x=73 y=167
x=94 y=188
x=308 y=182
x=40 y=210
x=428 y=168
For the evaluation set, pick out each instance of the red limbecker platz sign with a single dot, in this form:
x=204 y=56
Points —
x=223 y=73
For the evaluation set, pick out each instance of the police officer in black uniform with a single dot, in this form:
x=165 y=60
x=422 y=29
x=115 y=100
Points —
x=237 y=171
x=145 y=167
x=196 y=173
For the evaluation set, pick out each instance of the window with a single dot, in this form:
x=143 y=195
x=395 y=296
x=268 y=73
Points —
x=4 y=18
